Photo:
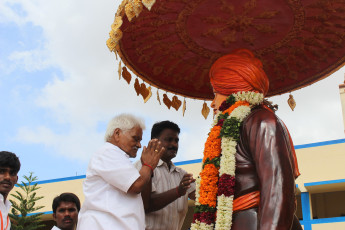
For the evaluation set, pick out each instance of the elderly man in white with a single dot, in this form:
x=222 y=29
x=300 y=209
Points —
x=112 y=186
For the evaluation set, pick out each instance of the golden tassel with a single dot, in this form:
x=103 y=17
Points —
x=176 y=103
x=158 y=98
x=149 y=95
x=166 y=100
x=205 y=110
x=119 y=70
x=126 y=75
x=291 y=101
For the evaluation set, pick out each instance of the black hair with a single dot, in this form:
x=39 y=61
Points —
x=8 y=159
x=158 y=128
x=65 y=197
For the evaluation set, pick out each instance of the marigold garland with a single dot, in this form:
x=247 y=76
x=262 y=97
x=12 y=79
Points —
x=237 y=104
x=208 y=185
x=213 y=144
x=216 y=183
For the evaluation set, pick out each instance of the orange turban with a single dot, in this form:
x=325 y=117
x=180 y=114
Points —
x=238 y=71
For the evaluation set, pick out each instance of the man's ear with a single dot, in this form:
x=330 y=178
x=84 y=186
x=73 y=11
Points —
x=116 y=133
x=54 y=216
x=114 y=139
x=16 y=180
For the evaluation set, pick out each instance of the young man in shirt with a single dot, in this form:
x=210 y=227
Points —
x=113 y=185
x=166 y=197
x=65 y=211
x=9 y=168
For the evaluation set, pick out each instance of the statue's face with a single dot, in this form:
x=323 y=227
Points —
x=217 y=101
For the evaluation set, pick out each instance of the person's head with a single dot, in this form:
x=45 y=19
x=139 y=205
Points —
x=9 y=168
x=125 y=131
x=239 y=71
x=65 y=211
x=167 y=133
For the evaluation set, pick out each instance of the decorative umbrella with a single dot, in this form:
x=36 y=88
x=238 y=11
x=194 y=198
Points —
x=171 y=44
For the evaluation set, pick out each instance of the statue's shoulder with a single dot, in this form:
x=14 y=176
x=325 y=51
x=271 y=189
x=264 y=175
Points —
x=261 y=113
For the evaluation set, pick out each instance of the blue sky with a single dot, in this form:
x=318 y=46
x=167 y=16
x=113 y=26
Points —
x=59 y=87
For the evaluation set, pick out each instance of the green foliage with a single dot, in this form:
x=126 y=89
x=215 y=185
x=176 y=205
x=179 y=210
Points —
x=223 y=116
x=231 y=100
x=231 y=128
x=204 y=208
x=25 y=204
x=215 y=161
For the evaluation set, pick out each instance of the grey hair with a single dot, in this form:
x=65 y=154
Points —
x=124 y=122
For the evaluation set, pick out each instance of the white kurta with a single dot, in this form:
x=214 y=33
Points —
x=5 y=208
x=107 y=205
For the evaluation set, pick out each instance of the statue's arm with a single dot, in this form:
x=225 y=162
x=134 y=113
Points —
x=271 y=153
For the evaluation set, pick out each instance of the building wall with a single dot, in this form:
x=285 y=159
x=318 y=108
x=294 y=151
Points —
x=321 y=186
x=321 y=161
x=329 y=226
x=49 y=189
x=325 y=205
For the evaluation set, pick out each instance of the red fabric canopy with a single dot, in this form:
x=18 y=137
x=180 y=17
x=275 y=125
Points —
x=173 y=45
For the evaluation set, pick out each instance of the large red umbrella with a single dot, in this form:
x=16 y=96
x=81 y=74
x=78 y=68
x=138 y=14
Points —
x=173 y=45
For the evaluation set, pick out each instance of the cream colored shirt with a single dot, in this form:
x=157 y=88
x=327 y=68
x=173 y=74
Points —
x=5 y=208
x=172 y=216
x=107 y=204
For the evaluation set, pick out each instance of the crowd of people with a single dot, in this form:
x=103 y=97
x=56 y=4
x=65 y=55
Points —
x=153 y=192
x=65 y=207
x=248 y=147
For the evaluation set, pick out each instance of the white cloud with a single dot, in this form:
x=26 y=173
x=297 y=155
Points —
x=89 y=91
x=8 y=14
x=30 y=60
x=76 y=145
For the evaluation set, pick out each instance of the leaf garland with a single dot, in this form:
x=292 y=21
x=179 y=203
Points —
x=215 y=161
x=231 y=128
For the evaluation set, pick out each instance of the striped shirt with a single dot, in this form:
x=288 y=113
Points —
x=170 y=217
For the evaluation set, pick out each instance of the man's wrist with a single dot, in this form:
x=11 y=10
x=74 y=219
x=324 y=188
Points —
x=147 y=165
x=178 y=191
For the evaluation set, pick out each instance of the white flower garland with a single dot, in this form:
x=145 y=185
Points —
x=224 y=208
x=228 y=163
x=251 y=97
x=201 y=226
x=227 y=160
